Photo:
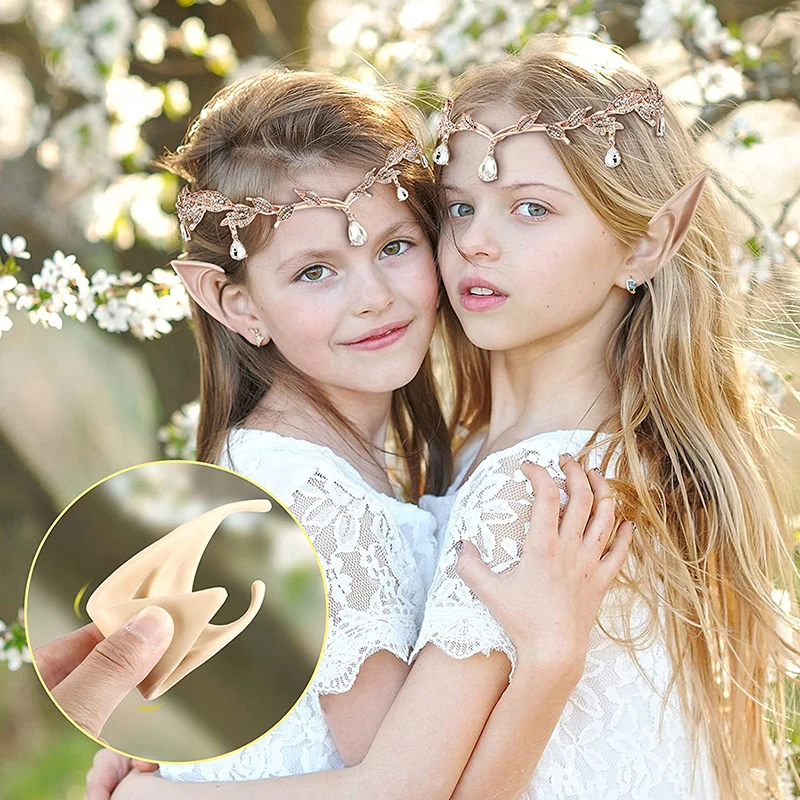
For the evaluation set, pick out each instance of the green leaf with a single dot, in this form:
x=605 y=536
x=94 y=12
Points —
x=753 y=246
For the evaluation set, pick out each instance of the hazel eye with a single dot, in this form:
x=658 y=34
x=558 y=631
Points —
x=313 y=274
x=396 y=248
x=530 y=209
x=460 y=210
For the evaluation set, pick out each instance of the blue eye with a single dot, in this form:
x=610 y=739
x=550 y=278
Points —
x=313 y=274
x=395 y=248
x=460 y=210
x=535 y=210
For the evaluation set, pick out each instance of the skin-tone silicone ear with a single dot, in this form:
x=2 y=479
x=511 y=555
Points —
x=162 y=574
x=667 y=229
x=203 y=281
x=196 y=275
x=178 y=263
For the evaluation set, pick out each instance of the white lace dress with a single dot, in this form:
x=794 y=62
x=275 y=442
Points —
x=379 y=554
x=611 y=741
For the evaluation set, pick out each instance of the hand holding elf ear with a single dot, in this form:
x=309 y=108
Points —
x=228 y=303
x=665 y=234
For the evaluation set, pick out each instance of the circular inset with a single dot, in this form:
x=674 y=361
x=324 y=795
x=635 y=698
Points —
x=239 y=579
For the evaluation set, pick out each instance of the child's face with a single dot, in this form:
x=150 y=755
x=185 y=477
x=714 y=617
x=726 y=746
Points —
x=531 y=238
x=318 y=296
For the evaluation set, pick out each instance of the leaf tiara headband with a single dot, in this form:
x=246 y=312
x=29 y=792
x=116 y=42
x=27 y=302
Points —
x=648 y=103
x=192 y=206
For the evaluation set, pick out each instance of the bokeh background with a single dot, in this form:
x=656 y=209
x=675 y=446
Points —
x=97 y=364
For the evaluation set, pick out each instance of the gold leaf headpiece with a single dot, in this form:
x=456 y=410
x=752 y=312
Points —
x=192 y=206
x=648 y=103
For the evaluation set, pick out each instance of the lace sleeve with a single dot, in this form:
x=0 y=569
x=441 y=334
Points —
x=373 y=584
x=491 y=511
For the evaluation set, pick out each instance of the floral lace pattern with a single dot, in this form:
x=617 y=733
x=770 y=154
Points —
x=617 y=737
x=368 y=544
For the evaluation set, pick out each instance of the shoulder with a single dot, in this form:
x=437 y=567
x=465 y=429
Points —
x=319 y=487
x=282 y=464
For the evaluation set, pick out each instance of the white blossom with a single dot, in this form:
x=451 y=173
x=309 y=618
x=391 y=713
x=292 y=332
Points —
x=111 y=25
x=132 y=100
x=771 y=382
x=113 y=316
x=15 y=247
x=5 y=321
x=151 y=39
x=667 y=20
x=180 y=434
x=15 y=658
x=7 y=283
x=82 y=137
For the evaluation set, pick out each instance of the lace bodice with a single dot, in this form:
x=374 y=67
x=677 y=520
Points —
x=378 y=555
x=608 y=742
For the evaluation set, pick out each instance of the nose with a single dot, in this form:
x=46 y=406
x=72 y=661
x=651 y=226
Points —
x=477 y=238
x=374 y=291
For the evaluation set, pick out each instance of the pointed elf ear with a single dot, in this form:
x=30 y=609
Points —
x=204 y=281
x=163 y=575
x=666 y=231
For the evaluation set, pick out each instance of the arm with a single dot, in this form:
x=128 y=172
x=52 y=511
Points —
x=520 y=726
x=448 y=701
x=355 y=716
x=442 y=701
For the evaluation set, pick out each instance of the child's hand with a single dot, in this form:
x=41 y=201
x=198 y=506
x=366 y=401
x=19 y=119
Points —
x=108 y=769
x=548 y=602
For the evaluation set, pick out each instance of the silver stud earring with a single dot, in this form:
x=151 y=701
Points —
x=259 y=336
x=630 y=285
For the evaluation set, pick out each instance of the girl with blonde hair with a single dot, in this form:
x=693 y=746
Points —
x=310 y=233
x=592 y=310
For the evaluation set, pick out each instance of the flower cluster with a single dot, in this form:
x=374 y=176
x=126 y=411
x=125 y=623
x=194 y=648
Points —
x=118 y=303
x=425 y=43
x=89 y=51
x=667 y=20
x=13 y=647
x=179 y=435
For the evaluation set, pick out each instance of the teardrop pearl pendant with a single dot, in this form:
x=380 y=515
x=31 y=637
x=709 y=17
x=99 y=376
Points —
x=356 y=233
x=441 y=155
x=487 y=171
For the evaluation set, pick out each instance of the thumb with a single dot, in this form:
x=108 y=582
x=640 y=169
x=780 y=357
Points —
x=144 y=766
x=474 y=572
x=91 y=692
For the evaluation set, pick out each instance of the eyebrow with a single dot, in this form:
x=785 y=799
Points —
x=322 y=253
x=514 y=187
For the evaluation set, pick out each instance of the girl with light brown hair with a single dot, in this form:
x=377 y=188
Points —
x=310 y=233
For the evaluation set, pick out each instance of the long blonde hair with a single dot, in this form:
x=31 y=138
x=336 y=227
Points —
x=244 y=141
x=697 y=469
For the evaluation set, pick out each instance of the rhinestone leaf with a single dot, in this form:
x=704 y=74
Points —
x=441 y=155
x=487 y=171
x=402 y=194
x=555 y=131
x=356 y=233
x=526 y=120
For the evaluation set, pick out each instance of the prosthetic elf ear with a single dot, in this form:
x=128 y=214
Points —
x=665 y=233
x=204 y=282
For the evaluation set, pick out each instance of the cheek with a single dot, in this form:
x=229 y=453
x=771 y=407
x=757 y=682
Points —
x=449 y=257
x=420 y=284
x=301 y=324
